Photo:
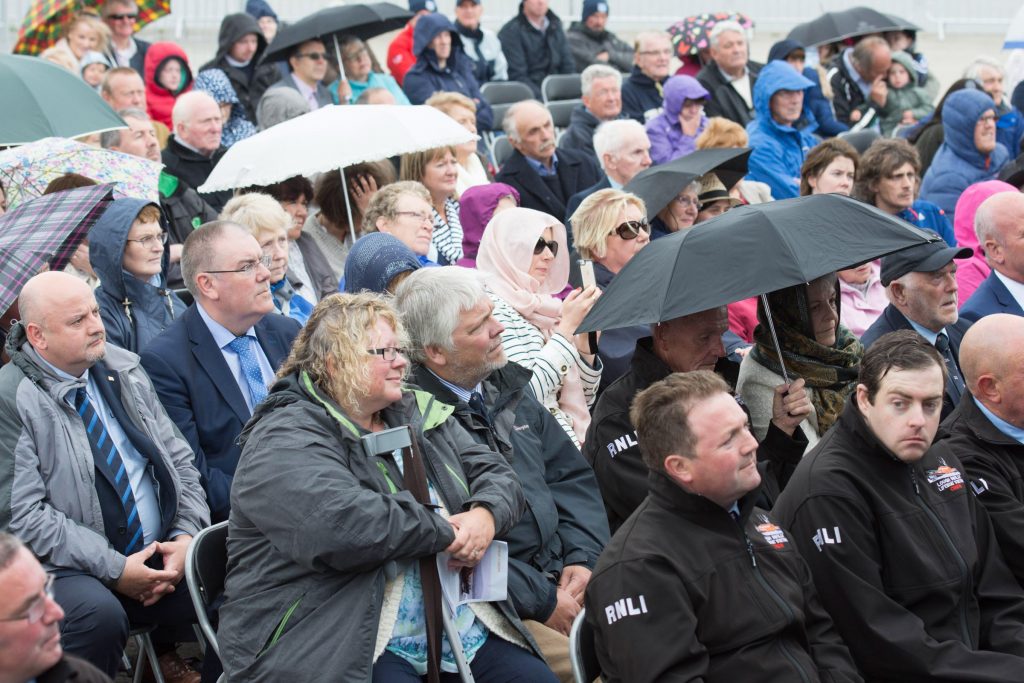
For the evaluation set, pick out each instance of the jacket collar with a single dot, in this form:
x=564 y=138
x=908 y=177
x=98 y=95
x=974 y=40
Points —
x=669 y=494
x=500 y=388
x=646 y=365
x=979 y=424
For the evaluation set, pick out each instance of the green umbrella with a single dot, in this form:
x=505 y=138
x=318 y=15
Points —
x=51 y=102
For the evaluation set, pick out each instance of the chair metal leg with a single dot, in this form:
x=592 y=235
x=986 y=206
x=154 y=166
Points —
x=147 y=651
x=200 y=638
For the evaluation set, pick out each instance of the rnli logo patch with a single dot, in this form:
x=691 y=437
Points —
x=945 y=478
x=773 y=534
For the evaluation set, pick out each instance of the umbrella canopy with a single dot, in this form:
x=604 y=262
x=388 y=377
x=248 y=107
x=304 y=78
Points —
x=1014 y=39
x=49 y=101
x=25 y=171
x=692 y=34
x=363 y=21
x=831 y=27
x=45 y=232
x=902 y=24
x=46 y=20
x=657 y=185
x=331 y=138
x=748 y=251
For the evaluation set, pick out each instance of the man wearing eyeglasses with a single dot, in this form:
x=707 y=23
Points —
x=212 y=366
x=30 y=648
x=308 y=65
x=125 y=49
x=642 y=94
x=98 y=481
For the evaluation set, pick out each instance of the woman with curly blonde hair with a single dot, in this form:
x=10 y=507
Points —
x=335 y=529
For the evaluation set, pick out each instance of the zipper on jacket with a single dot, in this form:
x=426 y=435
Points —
x=786 y=609
x=965 y=577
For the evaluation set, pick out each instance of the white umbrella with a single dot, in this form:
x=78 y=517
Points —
x=331 y=138
x=1015 y=34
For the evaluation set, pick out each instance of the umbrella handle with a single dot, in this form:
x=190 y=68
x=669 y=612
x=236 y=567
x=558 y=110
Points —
x=775 y=337
x=341 y=65
x=348 y=204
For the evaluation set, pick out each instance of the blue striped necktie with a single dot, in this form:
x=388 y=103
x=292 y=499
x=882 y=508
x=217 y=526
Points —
x=104 y=452
x=242 y=346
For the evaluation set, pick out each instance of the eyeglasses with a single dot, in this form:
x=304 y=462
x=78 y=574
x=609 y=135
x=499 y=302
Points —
x=150 y=240
x=37 y=607
x=315 y=56
x=543 y=244
x=388 y=353
x=686 y=200
x=246 y=268
x=630 y=230
x=122 y=17
x=352 y=56
x=422 y=217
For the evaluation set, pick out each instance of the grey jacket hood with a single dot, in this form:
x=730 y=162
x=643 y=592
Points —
x=233 y=28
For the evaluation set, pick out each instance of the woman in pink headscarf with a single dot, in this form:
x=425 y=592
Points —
x=524 y=261
x=973 y=271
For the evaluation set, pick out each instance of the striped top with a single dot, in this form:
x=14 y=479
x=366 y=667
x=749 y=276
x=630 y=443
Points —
x=548 y=360
x=447 y=236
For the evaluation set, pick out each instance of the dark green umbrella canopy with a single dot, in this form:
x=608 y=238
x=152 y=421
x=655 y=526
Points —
x=745 y=252
x=43 y=100
x=658 y=185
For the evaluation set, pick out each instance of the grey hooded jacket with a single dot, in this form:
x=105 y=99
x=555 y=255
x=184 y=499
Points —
x=133 y=311
x=317 y=527
x=47 y=474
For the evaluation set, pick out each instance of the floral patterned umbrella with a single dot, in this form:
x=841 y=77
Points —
x=691 y=34
x=25 y=171
x=46 y=19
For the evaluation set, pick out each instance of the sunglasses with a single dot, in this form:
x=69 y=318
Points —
x=543 y=244
x=630 y=230
x=315 y=56
x=122 y=17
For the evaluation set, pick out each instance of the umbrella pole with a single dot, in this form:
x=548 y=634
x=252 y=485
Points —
x=348 y=204
x=341 y=65
x=775 y=337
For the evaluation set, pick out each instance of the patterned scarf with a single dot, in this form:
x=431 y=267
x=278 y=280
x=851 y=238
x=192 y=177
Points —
x=830 y=372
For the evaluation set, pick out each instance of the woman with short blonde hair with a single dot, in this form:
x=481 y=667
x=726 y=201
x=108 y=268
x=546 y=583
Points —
x=438 y=170
x=472 y=167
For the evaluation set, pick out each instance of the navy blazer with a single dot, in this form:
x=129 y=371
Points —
x=577 y=199
x=991 y=296
x=892 y=320
x=202 y=397
x=576 y=171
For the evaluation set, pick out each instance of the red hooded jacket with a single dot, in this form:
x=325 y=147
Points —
x=160 y=100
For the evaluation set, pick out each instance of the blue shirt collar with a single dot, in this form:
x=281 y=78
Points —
x=222 y=336
x=540 y=168
x=1015 y=433
x=462 y=393
x=925 y=332
x=60 y=373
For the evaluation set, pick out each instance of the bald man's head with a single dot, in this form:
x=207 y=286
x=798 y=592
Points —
x=62 y=321
x=999 y=225
x=992 y=360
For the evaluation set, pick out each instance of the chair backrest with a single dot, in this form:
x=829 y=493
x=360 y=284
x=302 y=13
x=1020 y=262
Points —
x=561 y=87
x=582 y=655
x=206 y=567
x=185 y=296
x=501 y=150
x=506 y=92
x=561 y=112
x=860 y=139
x=499 y=111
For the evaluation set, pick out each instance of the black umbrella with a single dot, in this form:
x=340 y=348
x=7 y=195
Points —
x=748 y=251
x=657 y=185
x=831 y=27
x=364 y=21
x=902 y=24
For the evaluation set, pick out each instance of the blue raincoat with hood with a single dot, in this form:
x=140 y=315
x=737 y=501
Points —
x=958 y=163
x=134 y=311
x=427 y=77
x=779 y=150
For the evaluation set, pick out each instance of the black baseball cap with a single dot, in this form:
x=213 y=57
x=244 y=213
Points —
x=924 y=258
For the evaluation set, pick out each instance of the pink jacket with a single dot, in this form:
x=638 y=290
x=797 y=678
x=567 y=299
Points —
x=859 y=311
x=971 y=272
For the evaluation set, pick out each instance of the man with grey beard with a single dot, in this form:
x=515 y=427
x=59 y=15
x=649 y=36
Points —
x=455 y=343
x=97 y=481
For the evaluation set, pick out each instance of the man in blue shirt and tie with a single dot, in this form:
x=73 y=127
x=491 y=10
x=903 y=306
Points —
x=213 y=365
x=98 y=482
